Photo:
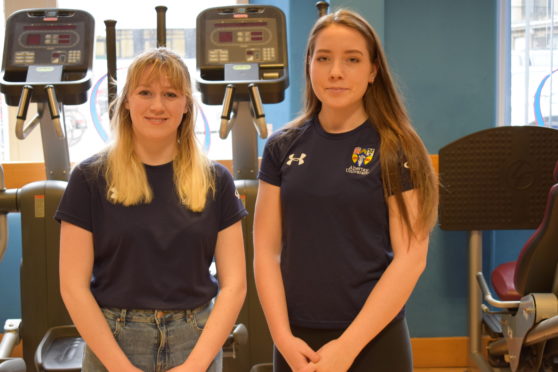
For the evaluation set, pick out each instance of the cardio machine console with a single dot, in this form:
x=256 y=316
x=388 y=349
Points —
x=48 y=46
x=242 y=45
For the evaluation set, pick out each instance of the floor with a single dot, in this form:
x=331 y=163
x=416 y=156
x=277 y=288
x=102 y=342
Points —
x=441 y=370
x=445 y=370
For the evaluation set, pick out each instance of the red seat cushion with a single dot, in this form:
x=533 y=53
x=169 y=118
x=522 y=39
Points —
x=503 y=282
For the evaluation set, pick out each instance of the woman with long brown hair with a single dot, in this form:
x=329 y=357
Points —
x=346 y=202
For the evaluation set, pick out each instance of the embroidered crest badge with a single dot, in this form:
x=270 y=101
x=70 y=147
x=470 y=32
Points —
x=362 y=156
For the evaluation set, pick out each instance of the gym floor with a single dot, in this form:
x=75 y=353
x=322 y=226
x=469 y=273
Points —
x=445 y=370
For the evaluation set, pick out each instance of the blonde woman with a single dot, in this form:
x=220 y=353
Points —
x=140 y=225
x=345 y=205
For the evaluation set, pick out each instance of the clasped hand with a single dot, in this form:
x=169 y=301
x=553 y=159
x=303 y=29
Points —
x=329 y=358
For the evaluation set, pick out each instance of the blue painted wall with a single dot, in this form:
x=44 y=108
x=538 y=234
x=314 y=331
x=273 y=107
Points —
x=443 y=53
x=9 y=272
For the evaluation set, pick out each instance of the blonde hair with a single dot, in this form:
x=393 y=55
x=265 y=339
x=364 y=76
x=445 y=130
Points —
x=127 y=182
x=384 y=106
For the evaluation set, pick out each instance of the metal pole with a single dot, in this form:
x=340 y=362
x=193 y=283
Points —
x=475 y=300
x=322 y=8
x=111 y=62
x=161 y=26
x=245 y=143
x=55 y=148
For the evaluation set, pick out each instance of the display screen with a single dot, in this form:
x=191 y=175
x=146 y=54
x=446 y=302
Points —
x=36 y=39
x=64 y=38
x=256 y=35
x=33 y=39
x=240 y=24
x=225 y=37
x=49 y=27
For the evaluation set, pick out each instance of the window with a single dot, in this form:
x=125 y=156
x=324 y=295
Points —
x=534 y=62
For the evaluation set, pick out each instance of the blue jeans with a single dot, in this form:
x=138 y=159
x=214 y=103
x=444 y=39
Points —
x=154 y=340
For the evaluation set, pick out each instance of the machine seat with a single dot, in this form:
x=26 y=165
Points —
x=502 y=281
x=535 y=269
x=12 y=365
x=61 y=350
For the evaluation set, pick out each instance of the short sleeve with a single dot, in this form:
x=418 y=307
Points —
x=230 y=205
x=270 y=168
x=75 y=205
x=405 y=178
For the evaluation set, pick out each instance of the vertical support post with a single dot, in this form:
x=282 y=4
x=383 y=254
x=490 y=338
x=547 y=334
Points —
x=245 y=143
x=111 y=62
x=322 y=8
x=161 y=26
x=55 y=148
x=475 y=299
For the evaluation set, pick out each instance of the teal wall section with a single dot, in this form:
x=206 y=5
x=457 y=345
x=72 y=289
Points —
x=443 y=53
x=9 y=272
x=372 y=10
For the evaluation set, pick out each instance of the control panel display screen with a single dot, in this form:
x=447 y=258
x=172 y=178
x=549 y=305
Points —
x=33 y=39
x=47 y=39
x=225 y=37
x=242 y=40
x=48 y=44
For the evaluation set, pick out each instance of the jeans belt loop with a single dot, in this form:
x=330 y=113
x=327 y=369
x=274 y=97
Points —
x=122 y=318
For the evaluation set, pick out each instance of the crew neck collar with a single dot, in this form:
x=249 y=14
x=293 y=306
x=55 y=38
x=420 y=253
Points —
x=340 y=135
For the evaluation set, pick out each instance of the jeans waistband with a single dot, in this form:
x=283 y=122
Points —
x=150 y=316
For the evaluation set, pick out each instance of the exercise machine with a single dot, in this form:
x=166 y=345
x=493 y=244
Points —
x=242 y=64
x=48 y=55
x=499 y=179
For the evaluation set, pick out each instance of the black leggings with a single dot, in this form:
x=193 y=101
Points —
x=390 y=351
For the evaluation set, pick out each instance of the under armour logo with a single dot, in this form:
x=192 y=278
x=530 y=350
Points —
x=300 y=160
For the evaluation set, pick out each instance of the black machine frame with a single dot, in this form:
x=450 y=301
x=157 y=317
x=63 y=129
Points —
x=49 y=62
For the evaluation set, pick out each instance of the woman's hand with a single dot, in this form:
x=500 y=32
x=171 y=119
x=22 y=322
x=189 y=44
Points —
x=334 y=358
x=299 y=356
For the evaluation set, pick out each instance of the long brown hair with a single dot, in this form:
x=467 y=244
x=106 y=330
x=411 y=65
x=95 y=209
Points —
x=125 y=174
x=383 y=104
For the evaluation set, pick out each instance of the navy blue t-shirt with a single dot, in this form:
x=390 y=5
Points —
x=335 y=231
x=155 y=255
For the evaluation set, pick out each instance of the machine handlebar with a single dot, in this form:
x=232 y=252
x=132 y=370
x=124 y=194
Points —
x=258 y=111
x=21 y=132
x=161 y=26
x=226 y=126
x=322 y=8
x=54 y=111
